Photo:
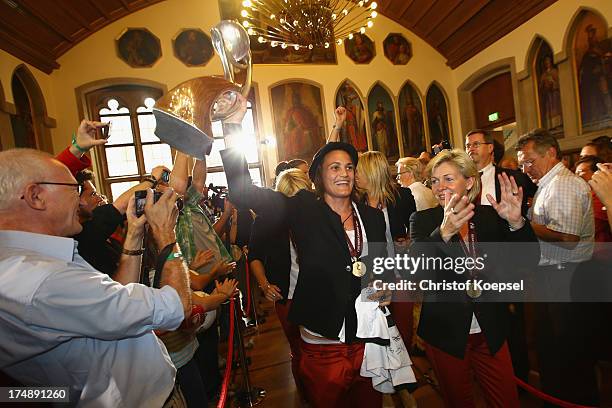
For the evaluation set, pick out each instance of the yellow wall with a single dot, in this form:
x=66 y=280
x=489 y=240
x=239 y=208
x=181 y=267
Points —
x=95 y=58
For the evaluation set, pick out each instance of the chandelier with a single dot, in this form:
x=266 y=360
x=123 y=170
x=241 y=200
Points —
x=306 y=23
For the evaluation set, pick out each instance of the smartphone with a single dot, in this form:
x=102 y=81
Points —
x=165 y=176
x=140 y=197
x=105 y=131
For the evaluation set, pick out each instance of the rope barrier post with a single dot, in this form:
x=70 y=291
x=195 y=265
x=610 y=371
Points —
x=230 y=352
x=248 y=396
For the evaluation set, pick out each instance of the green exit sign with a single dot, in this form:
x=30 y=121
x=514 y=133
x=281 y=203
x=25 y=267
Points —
x=493 y=116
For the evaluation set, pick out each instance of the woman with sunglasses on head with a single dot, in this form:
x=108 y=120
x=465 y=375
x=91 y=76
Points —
x=465 y=330
x=336 y=239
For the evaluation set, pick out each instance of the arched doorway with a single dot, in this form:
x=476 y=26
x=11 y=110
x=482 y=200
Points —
x=30 y=124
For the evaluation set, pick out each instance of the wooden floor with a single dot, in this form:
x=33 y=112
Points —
x=271 y=370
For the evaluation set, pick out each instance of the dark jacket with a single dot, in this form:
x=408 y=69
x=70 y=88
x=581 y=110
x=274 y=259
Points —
x=270 y=245
x=94 y=245
x=522 y=180
x=446 y=317
x=400 y=212
x=326 y=291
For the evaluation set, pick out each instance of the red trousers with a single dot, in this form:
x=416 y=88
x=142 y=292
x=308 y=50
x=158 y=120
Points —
x=330 y=373
x=493 y=373
x=402 y=312
x=292 y=332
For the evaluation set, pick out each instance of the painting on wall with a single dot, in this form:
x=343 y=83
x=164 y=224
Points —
x=411 y=120
x=593 y=62
x=549 y=90
x=193 y=47
x=360 y=49
x=354 y=130
x=437 y=115
x=297 y=109
x=265 y=53
x=397 y=49
x=138 y=47
x=382 y=122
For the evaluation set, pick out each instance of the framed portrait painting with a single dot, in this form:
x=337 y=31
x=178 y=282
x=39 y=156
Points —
x=381 y=113
x=397 y=49
x=193 y=47
x=297 y=108
x=138 y=47
x=360 y=49
x=592 y=50
x=437 y=115
x=354 y=130
x=411 y=120
x=548 y=90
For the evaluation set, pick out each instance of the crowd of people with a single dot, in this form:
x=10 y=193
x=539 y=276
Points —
x=114 y=300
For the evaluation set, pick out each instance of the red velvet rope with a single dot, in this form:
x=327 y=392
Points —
x=230 y=352
x=247 y=311
x=548 y=398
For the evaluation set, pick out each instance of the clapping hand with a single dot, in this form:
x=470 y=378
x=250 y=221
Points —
x=601 y=183
x=457 y=211
x=509 y=207
x=201 y=258
x=272 y=292
x=228 y=288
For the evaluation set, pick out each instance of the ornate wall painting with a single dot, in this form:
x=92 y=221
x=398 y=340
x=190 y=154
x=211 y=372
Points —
x=381 y=113
x=138 y=47
x=360 y=49
x=354 y=130
x=411 y=120
x=297 y=109
x=437 y=115
x=266 y=54
x=592 y=51
x=397 y=49
x=193 y=47
x=548 y=90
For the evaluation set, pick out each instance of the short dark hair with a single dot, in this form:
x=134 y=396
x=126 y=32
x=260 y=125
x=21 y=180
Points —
x=542 y=139
x=487 y=134
x=591 y=160
x=84 y=175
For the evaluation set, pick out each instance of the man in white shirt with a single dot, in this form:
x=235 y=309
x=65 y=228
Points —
x=63 y=323
x=562 y=218
x=480 y=146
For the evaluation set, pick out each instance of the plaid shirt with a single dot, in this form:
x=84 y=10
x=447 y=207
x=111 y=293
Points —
x=562 y=203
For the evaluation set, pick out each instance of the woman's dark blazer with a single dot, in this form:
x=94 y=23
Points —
x=269 y=244
x=325 y=294
x=445 y=323
x=400 y=212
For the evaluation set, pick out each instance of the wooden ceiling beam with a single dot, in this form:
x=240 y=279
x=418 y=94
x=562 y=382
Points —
x=449 y=26
x=126 y=5
x=439 y=17
x=30 y=7
x=100 y=9
x=11 y=44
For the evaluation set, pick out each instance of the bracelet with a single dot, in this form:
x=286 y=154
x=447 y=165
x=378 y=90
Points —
x=132 y=251
x=76 y=146
x=174 y=255
x=523 y=222
x=162 y=257
x=151 y=180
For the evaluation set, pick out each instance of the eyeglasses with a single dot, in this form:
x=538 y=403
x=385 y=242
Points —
x=475 y=145
x=526 y=163
x=79 y=186
x=399 y=173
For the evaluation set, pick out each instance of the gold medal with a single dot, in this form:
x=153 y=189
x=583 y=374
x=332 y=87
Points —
x=359 y=269
x=473 y=291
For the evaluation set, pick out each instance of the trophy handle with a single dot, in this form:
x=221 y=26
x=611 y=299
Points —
x=232 y=44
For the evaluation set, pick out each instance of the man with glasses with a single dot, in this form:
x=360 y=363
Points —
x=62 y=322
x=480 y=146
x=562 y=218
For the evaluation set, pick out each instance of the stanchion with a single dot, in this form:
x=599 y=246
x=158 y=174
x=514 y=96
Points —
x=229 y=361
x=545 y=397
x=248 y=396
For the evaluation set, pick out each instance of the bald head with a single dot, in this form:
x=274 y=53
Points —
x=37 y=194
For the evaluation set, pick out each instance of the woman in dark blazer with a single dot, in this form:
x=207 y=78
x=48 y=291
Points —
x=465 y=330
x=334 y=238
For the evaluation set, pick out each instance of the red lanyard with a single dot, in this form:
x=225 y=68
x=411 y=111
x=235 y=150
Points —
x=470 y=248
x=355 y=251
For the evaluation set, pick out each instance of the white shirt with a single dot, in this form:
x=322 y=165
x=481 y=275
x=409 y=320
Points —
x=62 y=323
x=487 y=180
x=294 y=271
x=423 y=196
x=562 y=203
